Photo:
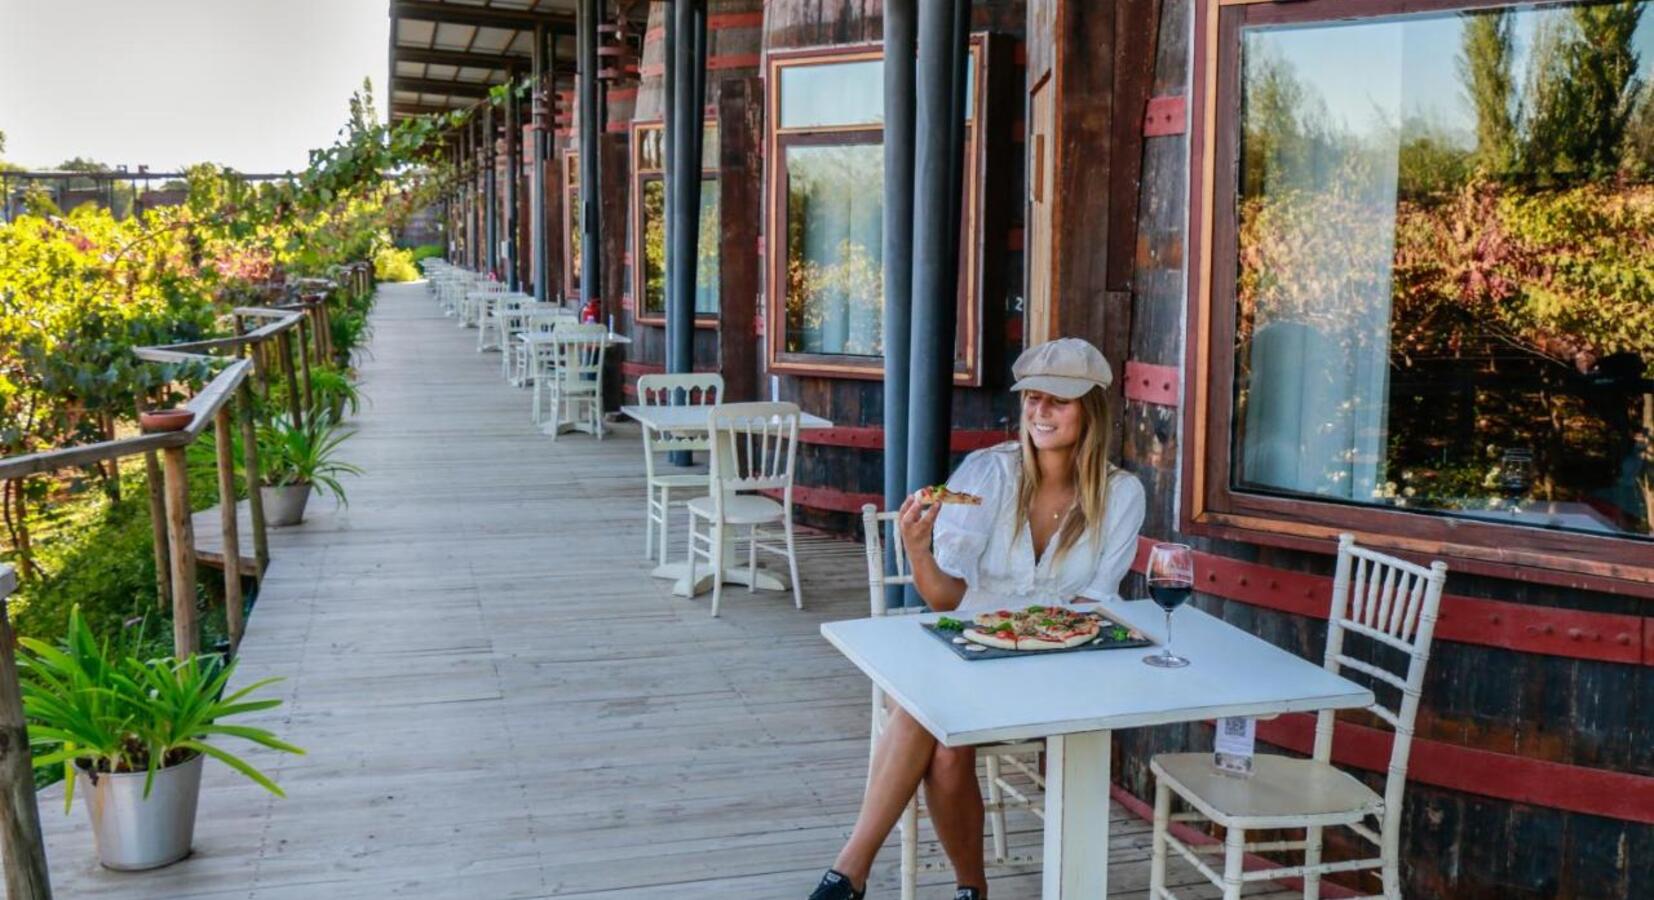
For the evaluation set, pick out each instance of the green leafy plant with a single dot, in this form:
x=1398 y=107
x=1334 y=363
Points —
x=291 y=453
x=95 y=707
x=335 y=392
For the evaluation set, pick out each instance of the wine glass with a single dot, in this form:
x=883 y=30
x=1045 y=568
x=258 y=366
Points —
x=1171 y=579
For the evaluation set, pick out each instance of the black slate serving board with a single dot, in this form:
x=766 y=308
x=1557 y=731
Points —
x=1106 y=643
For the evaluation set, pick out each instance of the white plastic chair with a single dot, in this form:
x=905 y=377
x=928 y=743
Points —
x=996 y=758
x=754 y=446
x=663 y=390
x=526 y=316
x=1390 y=603
x=576 y=379
x=494 y=312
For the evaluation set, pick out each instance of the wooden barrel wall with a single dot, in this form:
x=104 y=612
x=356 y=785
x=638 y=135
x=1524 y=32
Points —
x=734 y=44
x=1532 y=772
x=841 y=468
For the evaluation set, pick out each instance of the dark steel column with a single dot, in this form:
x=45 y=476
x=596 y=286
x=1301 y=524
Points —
x=683 y=186
x=513 y=183
x=899 y=49
x=591 y=127
x=538 y=263
x=491 y=189
x=935 y=242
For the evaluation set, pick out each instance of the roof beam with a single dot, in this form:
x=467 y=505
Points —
x=420 y=109
x=469 y=60
x=443 y=88
x=490 y=17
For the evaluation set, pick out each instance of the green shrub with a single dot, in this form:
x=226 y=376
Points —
x=426 y=251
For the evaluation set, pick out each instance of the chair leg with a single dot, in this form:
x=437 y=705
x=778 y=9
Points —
x=792 y=559
x=996 y=808
x=649 y=523
x=665 y=517
x=1312 y=858
x=717 y=566
x=910 y=849
x=1234 y=862
x=1157 y=857
x=752 y=558
x=693 y=531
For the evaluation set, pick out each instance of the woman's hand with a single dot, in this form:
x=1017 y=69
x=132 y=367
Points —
x=917 y=522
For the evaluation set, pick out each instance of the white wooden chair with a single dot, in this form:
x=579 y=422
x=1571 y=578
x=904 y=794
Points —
x=1391 y=604
x=575 y=383
x=526 y=317
x=473 y=301
x=754 y=446
x=663 y=390
x=494 y=315
x=1020 y=756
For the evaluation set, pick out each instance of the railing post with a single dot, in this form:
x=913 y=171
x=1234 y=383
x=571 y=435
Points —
x=20 y=838
x=181 y=538
x=284 y=349
x=249 y=466
x=158 y=526
x=304 y=363
x=224 y=442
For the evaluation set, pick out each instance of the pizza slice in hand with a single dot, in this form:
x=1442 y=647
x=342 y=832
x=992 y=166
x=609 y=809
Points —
x=941 y=493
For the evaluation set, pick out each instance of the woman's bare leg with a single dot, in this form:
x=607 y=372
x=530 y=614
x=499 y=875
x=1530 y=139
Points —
x=954 y=798
x=899 y=763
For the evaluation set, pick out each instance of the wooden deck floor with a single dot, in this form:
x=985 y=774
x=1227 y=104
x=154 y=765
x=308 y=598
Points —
x=499 y=702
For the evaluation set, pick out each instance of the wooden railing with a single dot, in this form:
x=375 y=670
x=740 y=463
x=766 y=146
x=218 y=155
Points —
x=253 y=356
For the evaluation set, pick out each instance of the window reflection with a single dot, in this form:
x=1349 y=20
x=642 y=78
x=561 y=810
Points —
x=835 y=249
x=654 y=249
x=1445 y=285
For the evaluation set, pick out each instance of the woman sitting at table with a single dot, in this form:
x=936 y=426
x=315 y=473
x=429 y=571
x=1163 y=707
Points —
x=1057 y=521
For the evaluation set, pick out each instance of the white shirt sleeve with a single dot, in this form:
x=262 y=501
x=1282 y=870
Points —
x=962 y=531
x=1121 y=523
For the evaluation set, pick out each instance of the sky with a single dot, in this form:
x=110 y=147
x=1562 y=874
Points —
x=252 y=84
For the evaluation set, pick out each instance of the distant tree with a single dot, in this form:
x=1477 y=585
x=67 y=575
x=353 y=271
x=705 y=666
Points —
x=1582 y=90
x=1485 y=68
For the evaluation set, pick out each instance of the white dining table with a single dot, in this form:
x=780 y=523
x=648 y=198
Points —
x=1074 y=700
x=689 y=419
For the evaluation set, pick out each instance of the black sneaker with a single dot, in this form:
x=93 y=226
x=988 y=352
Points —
x=970 y=893
x=835 y=885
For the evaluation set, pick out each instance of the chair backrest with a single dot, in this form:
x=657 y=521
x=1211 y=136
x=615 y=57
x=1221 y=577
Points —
x=580 y=349
x=545 y=317
x=1393 y=604
x=763 y=443
x=877 y=525
x=695 y=389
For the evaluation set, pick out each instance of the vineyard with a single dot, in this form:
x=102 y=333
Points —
x=80 y=290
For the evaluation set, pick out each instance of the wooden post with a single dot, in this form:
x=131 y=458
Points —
x=181 y=533
x=304 y=363
x=158 y=527
x=284 y=348
x=20 y=838
x=249 y=465
x=227 y=522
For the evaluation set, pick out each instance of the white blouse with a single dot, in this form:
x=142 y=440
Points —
x=985 y=546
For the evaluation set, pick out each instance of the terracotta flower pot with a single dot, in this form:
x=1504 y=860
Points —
x=157 y=420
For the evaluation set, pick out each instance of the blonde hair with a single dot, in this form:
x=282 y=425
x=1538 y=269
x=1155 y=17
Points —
x=1092 y=471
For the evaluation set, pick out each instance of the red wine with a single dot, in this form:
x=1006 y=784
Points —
x=1170 y=595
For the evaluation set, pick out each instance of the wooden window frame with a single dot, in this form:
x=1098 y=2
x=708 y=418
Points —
x=778 y=139
x=1209 y=506
x=567 y=172
x=640 y=176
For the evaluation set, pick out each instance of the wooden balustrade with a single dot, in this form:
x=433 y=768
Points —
x=20 y=839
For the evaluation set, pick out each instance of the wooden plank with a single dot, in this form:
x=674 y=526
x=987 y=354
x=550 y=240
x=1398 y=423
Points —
x=27 y=877
x=181 y=544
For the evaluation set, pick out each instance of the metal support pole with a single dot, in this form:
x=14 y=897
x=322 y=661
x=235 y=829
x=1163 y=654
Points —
x=538 y=263
x=591 y=127
x=27 y=877
x=491 y=192
x=683 y=184
x=899 y=50
x=935 y=242
x=513 y=178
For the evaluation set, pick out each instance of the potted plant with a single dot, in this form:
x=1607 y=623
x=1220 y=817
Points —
x=335 y=392
x=133 y=734
x=294 y=458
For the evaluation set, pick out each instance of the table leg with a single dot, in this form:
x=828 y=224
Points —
x=1076 y=816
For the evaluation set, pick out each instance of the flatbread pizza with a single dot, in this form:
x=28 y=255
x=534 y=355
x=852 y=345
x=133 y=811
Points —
x=941 y=493
x=1034 y=628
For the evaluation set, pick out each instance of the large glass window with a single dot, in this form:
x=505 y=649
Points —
x=827 y=228
x=1435 y=257
x=649 y=278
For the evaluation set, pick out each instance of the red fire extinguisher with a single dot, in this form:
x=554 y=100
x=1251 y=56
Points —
x=589 y=312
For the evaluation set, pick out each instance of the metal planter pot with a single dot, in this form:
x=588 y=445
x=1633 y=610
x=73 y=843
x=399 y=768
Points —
x=133 y=832
x=285 y=505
